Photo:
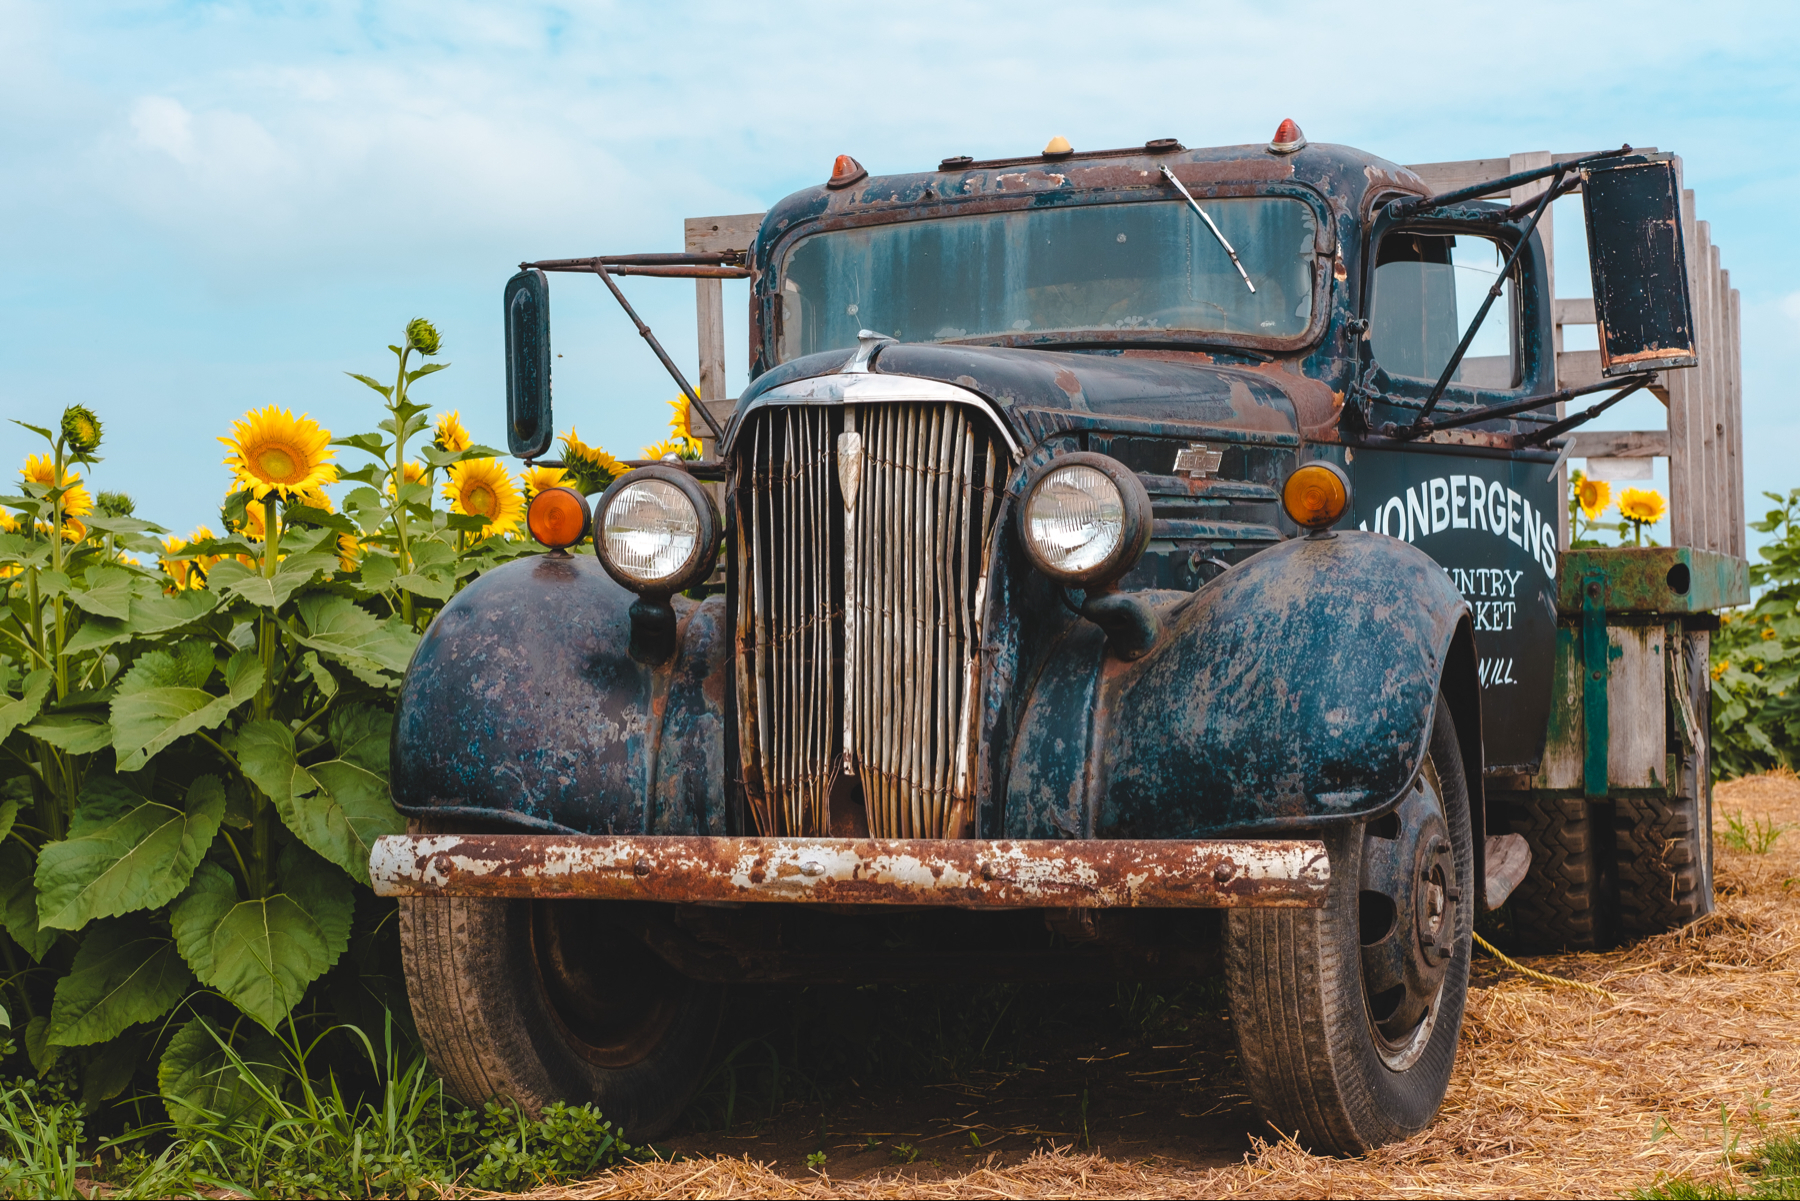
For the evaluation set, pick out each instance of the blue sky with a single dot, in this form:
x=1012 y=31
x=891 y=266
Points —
x=214 y=206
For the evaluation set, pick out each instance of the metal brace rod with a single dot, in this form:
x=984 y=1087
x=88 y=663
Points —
x=1588 y=414
x=1506 y=182
x=1512 y=259
x=687 y=389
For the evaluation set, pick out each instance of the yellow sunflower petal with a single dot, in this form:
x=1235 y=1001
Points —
x=274 y=451
x=451 y=435
x=484 y=488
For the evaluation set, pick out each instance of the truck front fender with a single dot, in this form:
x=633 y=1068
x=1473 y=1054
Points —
x=522 y=707
x=1294 y=692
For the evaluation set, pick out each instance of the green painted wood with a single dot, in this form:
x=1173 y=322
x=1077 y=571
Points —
x=1654 y=579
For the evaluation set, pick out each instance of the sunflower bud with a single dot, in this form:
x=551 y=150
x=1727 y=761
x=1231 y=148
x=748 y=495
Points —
x=81 y=429
x=115 y=504
x=422 y=336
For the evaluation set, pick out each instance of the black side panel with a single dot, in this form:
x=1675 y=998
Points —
x=528 y=424
x=1491 y=525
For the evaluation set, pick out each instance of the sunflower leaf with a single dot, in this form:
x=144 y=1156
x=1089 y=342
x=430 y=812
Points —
x=262 y=953
x=18 y=901
x=16 y=712
x=67 y=732
x=384 y=389
x=292 y=574
x=124 y=852
x=374 y=444
x=146 y=717
x=338 y=807
x=321 y=676
x=151 y=613
x=422 y=372
x=107 y=593
x=126 y=972
x=423 y=585
x=368 y=646
x=202 y=1087
x=9 y=813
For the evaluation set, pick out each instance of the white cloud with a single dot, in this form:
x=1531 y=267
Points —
x=166 y=125
x=1790 y=307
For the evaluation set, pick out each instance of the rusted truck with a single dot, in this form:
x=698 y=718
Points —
x=1139 y=563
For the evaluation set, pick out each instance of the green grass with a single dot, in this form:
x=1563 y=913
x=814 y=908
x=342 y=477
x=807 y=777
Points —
x=1758 y=835
x=1772 y=1171
x=297 y=1132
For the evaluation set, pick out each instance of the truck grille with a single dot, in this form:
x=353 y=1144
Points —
x=859 y=623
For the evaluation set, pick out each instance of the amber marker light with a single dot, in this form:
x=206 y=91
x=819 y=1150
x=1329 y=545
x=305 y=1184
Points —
x=845 y=171
x=558 y=517
x=1316 y=495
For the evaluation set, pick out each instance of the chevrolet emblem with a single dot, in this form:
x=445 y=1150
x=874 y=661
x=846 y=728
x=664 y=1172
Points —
x=1198 y=461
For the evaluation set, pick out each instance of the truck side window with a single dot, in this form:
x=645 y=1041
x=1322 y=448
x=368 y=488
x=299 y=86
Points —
x=1427 y=288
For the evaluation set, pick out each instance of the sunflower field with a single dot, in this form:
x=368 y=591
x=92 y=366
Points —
x=1756 y=656
x=195 y=736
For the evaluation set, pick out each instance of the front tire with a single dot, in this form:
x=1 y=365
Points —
x=542 y=1001
x=1347 y=1016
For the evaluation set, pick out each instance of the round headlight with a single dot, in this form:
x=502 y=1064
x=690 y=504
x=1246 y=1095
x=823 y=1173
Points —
x=658 y=531
x=1086 y=519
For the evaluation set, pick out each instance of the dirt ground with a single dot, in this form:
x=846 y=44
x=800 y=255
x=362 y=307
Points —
x=1557 y=1092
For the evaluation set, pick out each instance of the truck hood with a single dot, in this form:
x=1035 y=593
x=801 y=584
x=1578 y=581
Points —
x=1132 y=386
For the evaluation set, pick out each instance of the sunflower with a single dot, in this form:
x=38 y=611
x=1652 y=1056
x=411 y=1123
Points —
x=313 y=498
x=671 y=448
x=41 y=469
x=484 y=488
x=8 y=523
x=253 y=528
x=681 y=425
x=349 y=551
x=1593 y=496
x=413 y=472
x=81 y=429
x=590 y=469
x=187 y=570
x=541 y=479
x=273 y=451
x=451 y=436
x=1641 y=505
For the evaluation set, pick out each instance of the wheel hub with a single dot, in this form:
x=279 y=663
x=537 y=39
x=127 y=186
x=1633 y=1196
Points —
x=1408 y=915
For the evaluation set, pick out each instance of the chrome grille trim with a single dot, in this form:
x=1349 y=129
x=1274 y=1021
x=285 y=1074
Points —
x=860 y=615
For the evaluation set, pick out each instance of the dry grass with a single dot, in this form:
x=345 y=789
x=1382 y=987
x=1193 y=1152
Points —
x=1557 y=1093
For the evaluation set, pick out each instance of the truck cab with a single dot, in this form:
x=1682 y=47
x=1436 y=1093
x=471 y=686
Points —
x=1146 y=561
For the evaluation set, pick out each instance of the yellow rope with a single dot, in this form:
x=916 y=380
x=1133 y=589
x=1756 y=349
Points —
x=1545 y=977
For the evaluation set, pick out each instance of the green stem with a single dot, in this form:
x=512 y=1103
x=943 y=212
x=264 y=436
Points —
x=217 y=746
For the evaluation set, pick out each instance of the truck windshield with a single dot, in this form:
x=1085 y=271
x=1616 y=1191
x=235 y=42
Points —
x=1056 y=273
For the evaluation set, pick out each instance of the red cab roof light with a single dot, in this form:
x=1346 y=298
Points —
x=1288 y=138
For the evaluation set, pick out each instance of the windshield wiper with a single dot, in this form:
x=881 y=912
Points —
x=1195 y=205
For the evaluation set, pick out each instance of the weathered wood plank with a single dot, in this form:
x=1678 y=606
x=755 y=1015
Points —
x=1682 y=387
x=1578 y=368
x=1706 y=415
x=1619 y=444
x=1636 y=708
x=1739 y=546
x=1447 y=177
x=716 y=235
x=1579 y=311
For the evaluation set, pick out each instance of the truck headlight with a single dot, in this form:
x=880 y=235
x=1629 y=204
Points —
x=658 y=531
x=1085 y=520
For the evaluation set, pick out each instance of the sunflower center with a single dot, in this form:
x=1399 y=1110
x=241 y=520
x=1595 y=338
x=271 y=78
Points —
x=480 y=499
x=277 y=464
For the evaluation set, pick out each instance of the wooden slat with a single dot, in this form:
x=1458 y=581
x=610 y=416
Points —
x=1705 y=422
x=1579 y=311
x=1577 y=368
x=1682 y=387
x=1620 y=444
x=1736 y=427
x=716 y=235
x=1446 y=177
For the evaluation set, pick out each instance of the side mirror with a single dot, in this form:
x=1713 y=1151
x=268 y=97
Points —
x=1639 y=264
x=528 y=424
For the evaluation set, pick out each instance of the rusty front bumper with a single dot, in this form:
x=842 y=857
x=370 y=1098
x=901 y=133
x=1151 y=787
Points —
x=963 y=873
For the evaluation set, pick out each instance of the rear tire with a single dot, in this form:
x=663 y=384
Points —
x=542 y=1001
x=1321 y=1059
